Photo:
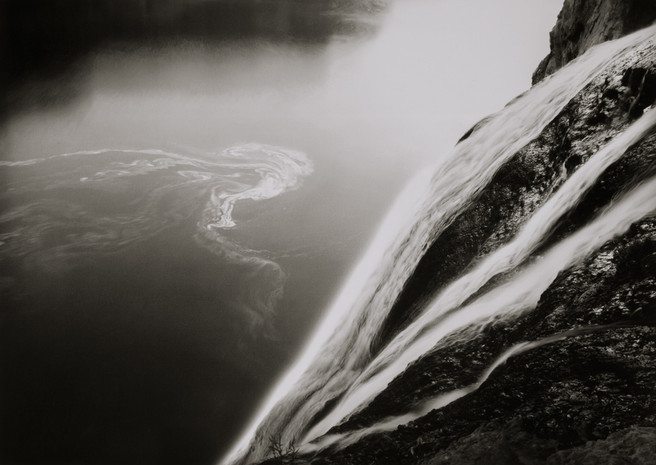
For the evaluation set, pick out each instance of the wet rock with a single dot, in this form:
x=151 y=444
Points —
x=588 y=398
x=637 y=444
x=523 y=184
x=641 y=85
x=584 y=23
x=553 y=404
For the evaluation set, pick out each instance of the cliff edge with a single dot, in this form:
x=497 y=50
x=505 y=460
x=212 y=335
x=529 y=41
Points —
x=584 y=23
x=581 y=389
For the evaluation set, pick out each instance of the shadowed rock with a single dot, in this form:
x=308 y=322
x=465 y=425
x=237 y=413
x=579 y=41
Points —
x=584 y=23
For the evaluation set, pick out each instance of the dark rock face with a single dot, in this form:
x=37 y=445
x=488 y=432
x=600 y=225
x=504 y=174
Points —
x=566 y=402
x=641 y=83
x=616 y=286
x=584 y=23
x=607 y=105
x=590 y=396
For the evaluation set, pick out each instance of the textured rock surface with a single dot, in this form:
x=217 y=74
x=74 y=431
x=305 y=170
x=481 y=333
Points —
x=584 y=23
x=559 y=403
x=605 y=107
x=589 y=398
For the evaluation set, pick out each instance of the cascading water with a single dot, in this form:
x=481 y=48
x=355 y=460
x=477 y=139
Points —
x=391 y=423
x=519 y=294
x=336 y=364
x=397 y=352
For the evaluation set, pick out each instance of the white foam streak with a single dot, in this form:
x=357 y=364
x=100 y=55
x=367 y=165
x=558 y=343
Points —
x=35 y=161
x=519 y=294
x=281 y=170
x=166 y=188
x=338 y=312
x=508 y=256
x=442 y=400
x=331 y=362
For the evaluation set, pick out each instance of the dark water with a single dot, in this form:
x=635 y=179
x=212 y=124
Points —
x=127 y=336
x=184 y=186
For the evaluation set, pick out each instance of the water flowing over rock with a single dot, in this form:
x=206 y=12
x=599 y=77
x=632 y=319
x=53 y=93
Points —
x=506 y=311
x=584 y=23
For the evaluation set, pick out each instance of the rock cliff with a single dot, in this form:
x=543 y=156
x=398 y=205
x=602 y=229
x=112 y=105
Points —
x=584 y=23
x=587 y=396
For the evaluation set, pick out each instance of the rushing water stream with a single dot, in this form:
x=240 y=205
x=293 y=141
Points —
x=337 y=374
x=186 y=185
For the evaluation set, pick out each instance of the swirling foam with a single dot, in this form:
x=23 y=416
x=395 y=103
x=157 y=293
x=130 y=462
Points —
x=100 y=201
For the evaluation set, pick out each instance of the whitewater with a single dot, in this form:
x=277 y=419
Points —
x=337 y=362
x=404 y=348
x=343 y=440
x=519 y=294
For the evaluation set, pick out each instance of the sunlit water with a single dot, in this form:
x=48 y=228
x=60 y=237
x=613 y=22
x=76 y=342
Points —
x=446 y=313
x=177 y=219
x=337 y=373
x=507 y=300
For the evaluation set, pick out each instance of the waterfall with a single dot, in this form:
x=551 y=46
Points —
x=391 y=423
x=519 y=294
x=334 y=374
x=505 y=258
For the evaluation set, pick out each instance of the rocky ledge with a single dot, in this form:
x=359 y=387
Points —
x=588 y=396
x=584 y=23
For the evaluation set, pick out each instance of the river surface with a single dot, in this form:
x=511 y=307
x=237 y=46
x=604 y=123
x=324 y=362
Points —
x=184 y=187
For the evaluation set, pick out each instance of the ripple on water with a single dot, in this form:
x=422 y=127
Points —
x=62 y=206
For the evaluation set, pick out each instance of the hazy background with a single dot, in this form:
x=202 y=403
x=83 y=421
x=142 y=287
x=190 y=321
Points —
x=142 y=352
